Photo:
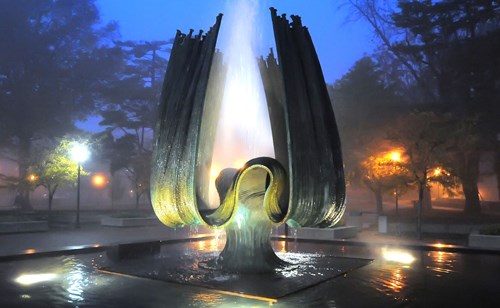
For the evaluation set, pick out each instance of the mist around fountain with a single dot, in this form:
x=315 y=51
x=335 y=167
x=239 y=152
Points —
x=243 y=129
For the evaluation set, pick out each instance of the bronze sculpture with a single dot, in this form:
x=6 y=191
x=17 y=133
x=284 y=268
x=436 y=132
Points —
x=303 y=187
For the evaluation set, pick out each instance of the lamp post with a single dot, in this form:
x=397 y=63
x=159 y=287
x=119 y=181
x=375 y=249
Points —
x=396 y=158
x=79 y=153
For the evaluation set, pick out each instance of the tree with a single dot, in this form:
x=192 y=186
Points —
x=130 y=112
x=451 y=49
x=52 y=167
x=146 y=60
x=54 y=62
x=384 y=172
x=365 y=107
x=424 y=138
x=117 y=190
x=139 y=172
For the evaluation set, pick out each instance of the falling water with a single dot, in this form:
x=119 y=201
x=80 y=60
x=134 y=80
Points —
x=243 y=131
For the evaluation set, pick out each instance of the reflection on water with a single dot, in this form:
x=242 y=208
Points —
x=203 y=299
x=431 y=280
x=212 y=245
x=76 y=279
x=442 y=262
x=280 y=246
x=390 y=277
x=391 y=281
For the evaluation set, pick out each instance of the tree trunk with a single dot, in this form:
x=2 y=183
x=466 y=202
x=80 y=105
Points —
x=51 y=197
x=469 y=176
x=379 y=201
x=112 y=191
x=421 y=188
x=148 y=195
x=137 y=197
x=377 y=191
x=497 y=171
x=23 y=197
x=427 y=202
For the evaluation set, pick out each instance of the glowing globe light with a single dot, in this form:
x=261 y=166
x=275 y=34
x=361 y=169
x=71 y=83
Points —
x=98 y=180
x=32 y=177
x=80 y=153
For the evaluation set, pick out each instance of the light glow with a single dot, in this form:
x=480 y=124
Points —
x=98 y=180
x=80 y=152
x=239 y=164
x=397 y=256
x=29 y=279
x=441 y=245
x=395 y=156
x=32 y=178
x=214 y=173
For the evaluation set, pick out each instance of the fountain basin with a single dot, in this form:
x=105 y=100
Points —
x=433 y=278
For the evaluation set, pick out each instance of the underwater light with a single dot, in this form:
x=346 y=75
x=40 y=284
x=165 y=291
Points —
x=398 y=256
x=29 y=279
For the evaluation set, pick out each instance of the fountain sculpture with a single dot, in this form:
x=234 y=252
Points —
x=303 y=186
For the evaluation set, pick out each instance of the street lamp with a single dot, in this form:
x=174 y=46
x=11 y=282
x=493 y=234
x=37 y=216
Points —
x=79 y=153
x=98 y=180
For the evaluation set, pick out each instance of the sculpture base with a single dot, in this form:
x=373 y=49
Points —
x=304 y=271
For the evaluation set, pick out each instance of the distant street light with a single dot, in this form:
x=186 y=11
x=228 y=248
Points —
x=79 y=153
x=437 y=171
x=32 y=178
x=99 y=180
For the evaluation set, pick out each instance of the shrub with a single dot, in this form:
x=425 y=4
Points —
x=490 y=230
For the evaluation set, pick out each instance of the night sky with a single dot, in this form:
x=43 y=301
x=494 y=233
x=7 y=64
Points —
x=339 y=39
x=339 y=43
